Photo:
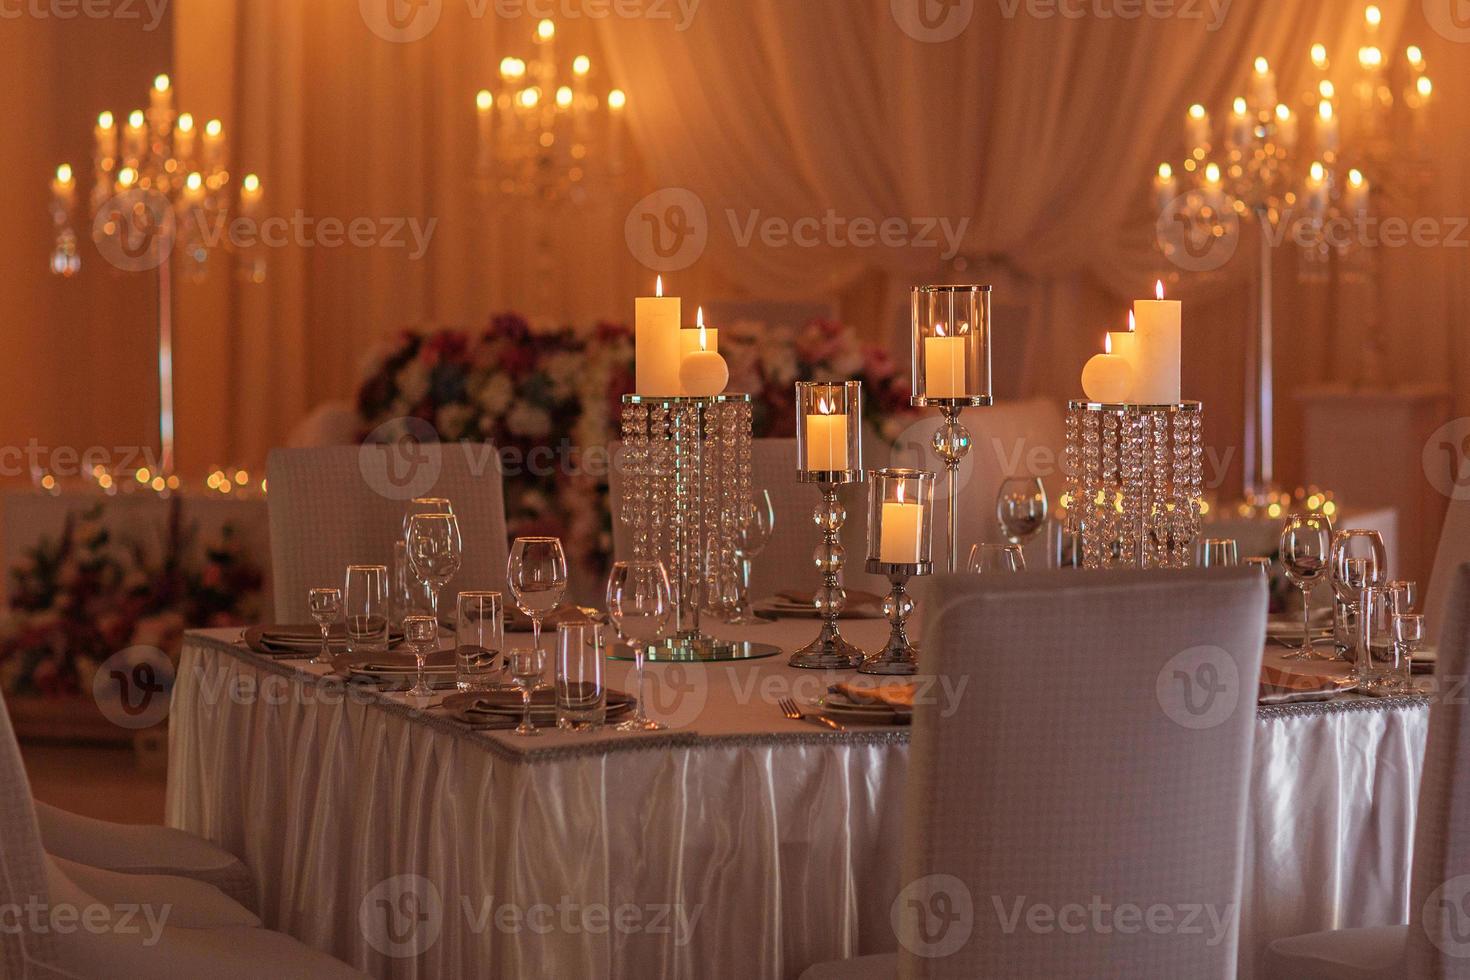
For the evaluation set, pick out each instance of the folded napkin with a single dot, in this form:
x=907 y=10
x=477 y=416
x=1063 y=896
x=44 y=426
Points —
x=898 y=695
x=1281 y=686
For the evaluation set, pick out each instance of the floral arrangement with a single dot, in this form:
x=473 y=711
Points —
x=76 y=600
x=521 y=387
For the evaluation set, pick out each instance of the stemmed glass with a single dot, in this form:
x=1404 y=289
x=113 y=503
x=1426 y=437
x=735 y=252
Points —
x=751 y=534
x=326 y=609
x=1021 y=508
x=418 y=505
x=986 y=558
x=639 y=602
x=1408 y=634
x=1306 y=549
x=537 y=577
x=1404 y=595
x=526 y=668
x=435 y=552
x=421 y=633
x=1356 y=543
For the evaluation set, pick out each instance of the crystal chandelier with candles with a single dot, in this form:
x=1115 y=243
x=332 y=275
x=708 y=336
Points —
x=545 y=134
x=1304 y=175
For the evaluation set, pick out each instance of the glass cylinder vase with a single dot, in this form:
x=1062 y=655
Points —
x=829 y=428
x=951 y=346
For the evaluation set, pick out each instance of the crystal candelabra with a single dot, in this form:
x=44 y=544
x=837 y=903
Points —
x=951 y=372
x=1135 y=483
x=829 y=452
x=687 y=473
x=1365 y=117
x=544 y=133
x=161 y=190
x=900 y=532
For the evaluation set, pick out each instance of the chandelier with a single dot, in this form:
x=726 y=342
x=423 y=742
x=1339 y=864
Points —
x=544 y=133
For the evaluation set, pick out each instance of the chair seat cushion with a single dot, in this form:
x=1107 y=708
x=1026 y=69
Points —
x=1375 y=952
x=881 y=967
x=191 y=904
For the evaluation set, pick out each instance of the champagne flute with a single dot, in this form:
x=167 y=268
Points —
x=1021 y=508
x=326 y=609
x=537 y=577
x=1306 y=551
x=751 y=535
x=639 y=602
x=435 y=552
x=526 y=668
x=421 y=633
x=986 y=558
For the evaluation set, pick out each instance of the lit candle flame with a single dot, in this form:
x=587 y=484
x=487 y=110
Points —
x=1107 y=343
x=105 y=120
x=1262 y=66
x=1166 y=172
x=824 y=407
x=162 y=83
x=898 y=497
x=1319 y=55
x=484 y=100
x=1132 y=322
x=939 y=330
x=64 y=173
x=1197 y=111
x=658 y=289
x=703 y=338
x=1159 y=289
x=186 y=123
x=1326 y=89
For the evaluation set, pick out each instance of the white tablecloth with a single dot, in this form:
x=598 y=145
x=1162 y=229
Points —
x=740 y=845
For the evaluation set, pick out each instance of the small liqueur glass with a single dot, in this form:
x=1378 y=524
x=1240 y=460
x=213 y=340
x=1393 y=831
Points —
x=1021 y=509
x=526 y=668
x=1408 y=635
x=421 y=633
x=326 y=611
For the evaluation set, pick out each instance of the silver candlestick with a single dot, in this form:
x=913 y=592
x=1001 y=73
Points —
x=900 y=532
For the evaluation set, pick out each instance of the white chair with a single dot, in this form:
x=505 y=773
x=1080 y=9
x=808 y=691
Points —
x=1097 y=755
x=176 y=927
x=1453 y=551
x=342 y=505
x=1436 y=942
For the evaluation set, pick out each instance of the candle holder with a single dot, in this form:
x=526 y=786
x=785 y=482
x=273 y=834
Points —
x=829 y=453
x=1135 y=482
x=894 y=537
x=951 y=372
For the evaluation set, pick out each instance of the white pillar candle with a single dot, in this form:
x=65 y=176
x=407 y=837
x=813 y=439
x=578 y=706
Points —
x=944 y=364
x=1327 y=128
x=135 y=135
x=656 y=344
x=899 y=543
x=1263 y=86
x=1108 y=377
x=826 y=443
x=485 y=115
x=698 y=337
x=64 y=187
x=184 y=138
x=1159 y=350
x=1197 y=127
x=106 y=133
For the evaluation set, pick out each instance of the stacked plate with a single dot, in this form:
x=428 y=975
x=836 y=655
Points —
x=291 y=642
x=503 y=709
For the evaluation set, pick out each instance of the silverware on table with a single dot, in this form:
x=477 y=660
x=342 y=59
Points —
x=790 y=710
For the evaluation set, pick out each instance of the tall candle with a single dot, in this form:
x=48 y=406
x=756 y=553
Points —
x=1197 y=127
x=485 y=114
x=64 y=187
x=826 y=442
x=902 y=521
x=656 y=344
x=106 y=133
x=944 y=364
x=134 y=135
x=1158 y=351
x=184 y=137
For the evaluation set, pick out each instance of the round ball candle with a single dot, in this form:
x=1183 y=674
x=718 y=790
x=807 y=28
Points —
x=704 y=373
x=1108 y=377
x=656 y=345
x=1158 y=351
x=697 y=338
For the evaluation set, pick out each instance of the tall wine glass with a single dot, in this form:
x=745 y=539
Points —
x=536 y=575
x=1021 y=508
x=421 y=633
x=752 y=532
x=326 y=609
x=1306 y=551
x=639 y=602
x=435 y=552
x=418 y=505
x=1358 y=543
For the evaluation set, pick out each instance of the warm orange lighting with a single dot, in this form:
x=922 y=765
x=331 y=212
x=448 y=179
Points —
x=1196 y=111
x=617 y=99
x=251 y=184
x=658 y=286
x=581 y=65
x=1326 y=89
x=1415 y=55
x=1319 y=172
x=546 y=30
x=1319 y=56
x=186 y=123
x=127 y=177
x=1424 y=86
x=1212 y=173
x=161 y=83
x=1262 y=66
x=1239 y=106
x=564 y=97
x=214 y=128
x=136 y=118
x=64 y=173
x=1107 y=343
x=1373 y=16
x=484 y=100
x=1166 y=172
x=105 y=120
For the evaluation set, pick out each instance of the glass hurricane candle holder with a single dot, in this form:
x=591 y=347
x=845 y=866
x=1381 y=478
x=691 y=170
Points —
x=829 y=453
x=900 y=535
x=951 y=372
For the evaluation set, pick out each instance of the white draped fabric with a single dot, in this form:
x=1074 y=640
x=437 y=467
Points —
x=782 y=840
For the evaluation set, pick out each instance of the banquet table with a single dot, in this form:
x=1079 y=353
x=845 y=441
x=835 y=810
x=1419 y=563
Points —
x=736 y=844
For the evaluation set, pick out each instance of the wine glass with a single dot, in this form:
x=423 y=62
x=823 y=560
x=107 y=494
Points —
x=1408 y=634
x=1405 y=596
x=1021 y=508
x=1306 y=549
x=526 y=668
x=639 y=602
x=752 y=533
x=421 y=633
x=1219 y=553
x=418 y=505
x=435 y=552
x=326 y=609
x=537 y=577
x=1357 y=543
x=996 y=558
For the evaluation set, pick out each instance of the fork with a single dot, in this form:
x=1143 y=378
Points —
x=790 y=710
